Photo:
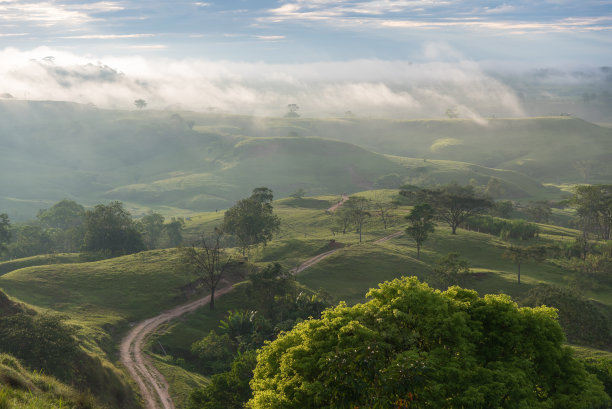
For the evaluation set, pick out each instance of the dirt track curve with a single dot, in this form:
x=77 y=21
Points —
x=152 y=384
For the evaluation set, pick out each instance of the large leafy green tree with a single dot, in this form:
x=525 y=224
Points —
x=66 y=214
x=252 y=220
x=412 y=346
x=593 y=206
x=453 y=203
x=421 y=223
x=111 y=229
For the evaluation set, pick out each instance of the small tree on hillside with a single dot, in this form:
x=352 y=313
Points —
x=140 y=103
x=152 y=226
x=453 y=203
x=252 y=220
x=520 y=255
x=359 y=210
x=209 y=261
x=385 y=210
x=110 y=228
x=421 y=224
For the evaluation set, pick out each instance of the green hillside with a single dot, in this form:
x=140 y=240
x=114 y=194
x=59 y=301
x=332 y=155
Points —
x=180 y=163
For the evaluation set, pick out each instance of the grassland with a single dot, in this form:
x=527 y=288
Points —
x=104 y=297
x=156 y=160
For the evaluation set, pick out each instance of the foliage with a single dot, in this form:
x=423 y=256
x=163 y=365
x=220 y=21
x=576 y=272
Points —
x=174 y=230
x=421 y=224
x=505 y=229
x=453 y=203
x=252 y=220
x=228 y=390
x=29 y=240
x=64 y=215
x=5 y=232
x=209 y=261
x=298 y=194
x=539 y=211
x=413 y=346
x=270 y=288
x=42 y=341
x=385 y=210
x=110 y=229
x=582 y=322
x=520 y=255
x=23 y=389
x=358 y=208
x=140 y=103
x=450 y=270
x=214 y=352
x=602 y=369
x=593 y=206
x=151 y=226
x=502 y=209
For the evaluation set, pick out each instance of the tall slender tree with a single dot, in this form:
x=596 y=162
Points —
x=421 y=224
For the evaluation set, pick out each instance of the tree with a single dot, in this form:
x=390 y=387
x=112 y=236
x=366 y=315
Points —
x=412 y=346
x=174 y=230
x=209 y=261
x=450 y=270
x=64 y=215
x=298 y=194
x=452 y=113
x=539 y=211
x=292 y=111
x=5 y=231
x=494 y=188
x=502 y=209
x=151 y=225
x=227 y=390
x=140 y=103
x=520 y=255
x=453 y=203
x=342 y=219
x=110 y=228
x=421 y=224
x=385 y=211
x=268 y=287
x=593 y=206
x=359 y=210
x=252 y=220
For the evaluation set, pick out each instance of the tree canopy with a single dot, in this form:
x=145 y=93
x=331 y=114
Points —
x=412 y=346
x=421 y=224
x=453 y=203
x=252 y=220
x=110 y=228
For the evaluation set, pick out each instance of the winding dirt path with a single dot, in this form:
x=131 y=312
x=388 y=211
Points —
x=152 y=384
x=389 y=237
x=337 y=205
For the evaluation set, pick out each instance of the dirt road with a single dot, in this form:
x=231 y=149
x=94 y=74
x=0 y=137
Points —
x=337 y=205
x=152 y=384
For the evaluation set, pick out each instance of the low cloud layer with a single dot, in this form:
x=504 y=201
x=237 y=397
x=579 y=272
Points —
x=364 y=87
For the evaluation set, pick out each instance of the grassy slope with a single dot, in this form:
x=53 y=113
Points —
x=153 y=160
x=22 y=389
x=350 y=272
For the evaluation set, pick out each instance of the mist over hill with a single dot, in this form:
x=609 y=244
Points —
x=180 y=162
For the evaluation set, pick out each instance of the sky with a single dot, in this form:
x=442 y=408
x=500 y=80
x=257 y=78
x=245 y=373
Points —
x=254 y=55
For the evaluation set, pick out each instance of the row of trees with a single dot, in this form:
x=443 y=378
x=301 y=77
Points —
x=68 y=227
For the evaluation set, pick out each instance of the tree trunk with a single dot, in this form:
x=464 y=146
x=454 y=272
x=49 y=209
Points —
x=519 y=273
x=454 y=228
x=360 y=225
x=418 y=252
x=212 y=299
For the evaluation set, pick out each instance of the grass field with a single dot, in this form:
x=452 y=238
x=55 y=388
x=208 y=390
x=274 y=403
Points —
x=104 y=297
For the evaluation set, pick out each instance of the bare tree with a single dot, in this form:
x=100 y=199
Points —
x=209 y=261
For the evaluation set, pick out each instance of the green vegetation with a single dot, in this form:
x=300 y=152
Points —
x=410 y=344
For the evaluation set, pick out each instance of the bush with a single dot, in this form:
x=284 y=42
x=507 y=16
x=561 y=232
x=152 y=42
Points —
x=582 y=322
x=505 y=229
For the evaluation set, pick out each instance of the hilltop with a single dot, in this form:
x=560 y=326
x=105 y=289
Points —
x=181 y=163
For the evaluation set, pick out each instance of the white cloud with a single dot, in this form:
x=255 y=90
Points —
x=366 y=87
x=108 y=36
